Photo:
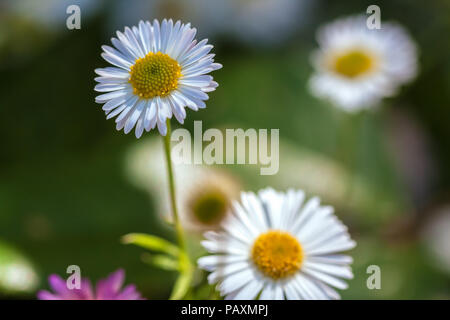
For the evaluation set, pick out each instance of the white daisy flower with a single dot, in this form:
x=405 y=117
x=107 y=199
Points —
x=356 y=67
x=205 y=197
x=204 y=193
x=276 y=247
x=159 y=69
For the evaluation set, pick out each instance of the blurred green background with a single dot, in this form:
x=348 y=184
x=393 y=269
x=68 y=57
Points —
x=65 y=197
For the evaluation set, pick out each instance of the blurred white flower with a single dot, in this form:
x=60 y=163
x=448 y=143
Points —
x=204 y=194
x=265 y=22
x=17 y=275
x=436 y=235
x=159 y=70
x=278 y=246
x=356 y=67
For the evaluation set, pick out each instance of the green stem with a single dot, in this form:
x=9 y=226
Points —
x=176 y=220
x=184 y=257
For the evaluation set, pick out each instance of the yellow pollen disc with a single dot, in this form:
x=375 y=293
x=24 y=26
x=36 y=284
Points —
x=353 y=64
x=209 y=206
x=277 y=254
x=154 y=75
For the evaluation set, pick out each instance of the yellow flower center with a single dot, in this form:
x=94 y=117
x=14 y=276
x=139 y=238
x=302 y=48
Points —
x=277 y=254
x=154 y=75
x=210 y=206
x=353 y=64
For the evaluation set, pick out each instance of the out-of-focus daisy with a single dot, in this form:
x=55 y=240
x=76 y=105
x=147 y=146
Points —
x=107 y=289
x=204 y=194
x=159 y=69
x=264 y=22
x=275 y=246
x=356 y=67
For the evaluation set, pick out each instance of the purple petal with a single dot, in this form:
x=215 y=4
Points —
x=59 y=286
x=108 y=288
x=46 y=295
x=85 y=292
x=129 y=293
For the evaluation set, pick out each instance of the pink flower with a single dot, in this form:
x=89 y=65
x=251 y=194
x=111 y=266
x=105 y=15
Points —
x=107 y=289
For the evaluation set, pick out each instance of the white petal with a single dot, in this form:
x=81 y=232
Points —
x=135 y=52
x=198 y=81
x=162 y=127
x=111 y=95
x=226 y=270
x=177 y=108
x=338 y=271
x=116 y=54
x=112 y=72
x=125 y=50
x=332 y=281
x=156 y=45
x=249 y=291
x=332 y=248
x=332 y=259
x=110 y=80
x=121 y=119
x=254 y=208
x=108 y=87
x=310 y=207
x=215 y=247
x=117 y=61
x=115 y=112
x=140 y=125
x=150 y=118
x=114 y=103
x=210 y=263
x=134 y=42
x=268 y=293
x=133 y=118
x=193 y=93
x=291 y=292
x=236 y=281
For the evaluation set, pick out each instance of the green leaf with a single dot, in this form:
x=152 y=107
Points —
x=150 y=242
x=184 y=280
x=181 y=286
x=161 y=261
